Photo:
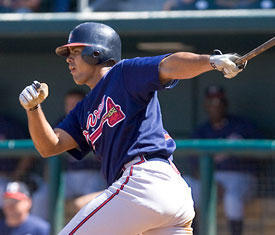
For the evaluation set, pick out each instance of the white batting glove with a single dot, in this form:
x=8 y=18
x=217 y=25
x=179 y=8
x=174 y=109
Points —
x=225 y=63
x=33 y=95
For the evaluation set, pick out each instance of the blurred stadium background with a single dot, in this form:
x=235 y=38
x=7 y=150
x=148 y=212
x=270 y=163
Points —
x=28 y=42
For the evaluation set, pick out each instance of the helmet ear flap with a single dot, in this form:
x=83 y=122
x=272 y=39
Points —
x=91 y=56
x=94 y=54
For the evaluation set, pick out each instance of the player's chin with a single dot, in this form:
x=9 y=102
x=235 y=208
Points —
x=78 y=81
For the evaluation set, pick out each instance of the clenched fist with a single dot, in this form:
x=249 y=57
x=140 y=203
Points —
x=33 y=95
x=226 y=64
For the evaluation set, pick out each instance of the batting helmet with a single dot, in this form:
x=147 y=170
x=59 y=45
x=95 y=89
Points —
x=101 y=43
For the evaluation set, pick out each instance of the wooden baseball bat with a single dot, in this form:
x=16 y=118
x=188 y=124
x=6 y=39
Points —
x=258 y=50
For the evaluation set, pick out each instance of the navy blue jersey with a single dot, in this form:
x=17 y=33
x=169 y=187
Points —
x=120 y=118
x=32 y=226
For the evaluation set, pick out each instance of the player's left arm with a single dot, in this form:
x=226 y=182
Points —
x=185 y=65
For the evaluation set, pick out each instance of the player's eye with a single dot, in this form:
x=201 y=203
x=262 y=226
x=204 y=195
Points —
x=76 y=51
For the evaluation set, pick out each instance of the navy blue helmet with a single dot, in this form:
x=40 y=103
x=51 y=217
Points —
x=101 y=43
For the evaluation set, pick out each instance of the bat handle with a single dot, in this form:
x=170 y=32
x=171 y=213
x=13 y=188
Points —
x=240 y=61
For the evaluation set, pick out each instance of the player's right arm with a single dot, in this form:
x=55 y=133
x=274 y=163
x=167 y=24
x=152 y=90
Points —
x=48 y=141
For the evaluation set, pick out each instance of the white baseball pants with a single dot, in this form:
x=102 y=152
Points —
x=150 y=198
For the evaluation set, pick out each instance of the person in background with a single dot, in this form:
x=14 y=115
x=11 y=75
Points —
x=106 y=5
x=170 y=5
x=93 y=5
x=77 y=188
x=243 y=4
x=16 y=208
x=77 y=172
x=19 y=6
x=236 y=176
x=13 y=167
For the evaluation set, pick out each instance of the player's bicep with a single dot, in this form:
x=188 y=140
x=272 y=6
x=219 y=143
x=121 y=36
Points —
x=164 y=75
x=66 y=141
x=171 y=67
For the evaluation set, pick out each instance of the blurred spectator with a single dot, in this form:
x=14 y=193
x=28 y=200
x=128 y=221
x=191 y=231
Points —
x=81 y=177
x=19 y=6
x=126 y=5
x=77 y=172
x=92 y=5
x=64 y=5
x=18 y=220
x=13 y=167
x=243 y=4
x=40 y=197
x=105 y=5
x=267 y=4
x=185 y=5
x=235 y=176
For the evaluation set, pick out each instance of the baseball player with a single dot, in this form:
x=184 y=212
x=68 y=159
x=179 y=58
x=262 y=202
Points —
x=120 y=121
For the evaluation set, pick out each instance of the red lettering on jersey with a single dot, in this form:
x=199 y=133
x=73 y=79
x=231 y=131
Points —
x=93 y=117
x=112 y=116
x=86 y=135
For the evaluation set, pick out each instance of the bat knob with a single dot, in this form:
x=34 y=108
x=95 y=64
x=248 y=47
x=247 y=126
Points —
x=36 y=85
x=242 y=65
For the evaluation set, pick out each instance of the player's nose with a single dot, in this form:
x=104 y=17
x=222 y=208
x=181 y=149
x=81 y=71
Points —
x=69 y=59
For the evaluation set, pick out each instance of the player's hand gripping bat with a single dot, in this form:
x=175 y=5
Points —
x=258 y=50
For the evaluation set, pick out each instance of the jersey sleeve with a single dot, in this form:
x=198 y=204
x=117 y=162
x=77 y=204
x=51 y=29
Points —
x=72 y=126
x=141 y=76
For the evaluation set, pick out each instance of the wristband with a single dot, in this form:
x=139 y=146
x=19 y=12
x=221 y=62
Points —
x=34 y=108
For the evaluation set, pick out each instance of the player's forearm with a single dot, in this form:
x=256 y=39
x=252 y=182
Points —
x=184 y=65
x=42 y=134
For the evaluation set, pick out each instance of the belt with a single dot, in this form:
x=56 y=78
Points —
x=155 y=157
x=140 y=159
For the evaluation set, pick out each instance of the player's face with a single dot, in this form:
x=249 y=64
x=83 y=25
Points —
x=81 y=71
